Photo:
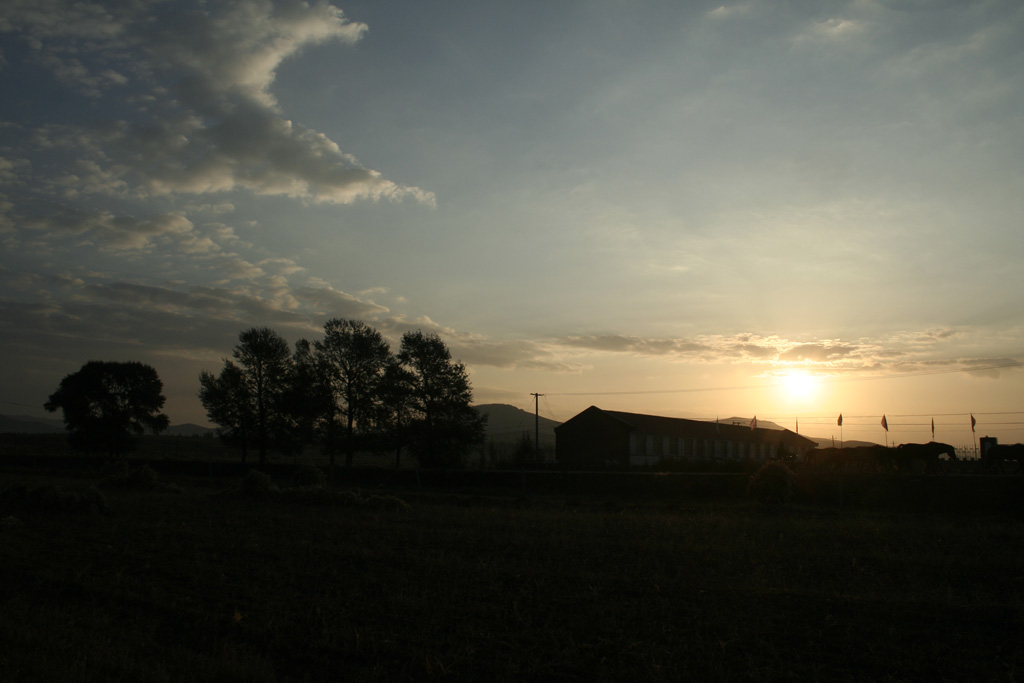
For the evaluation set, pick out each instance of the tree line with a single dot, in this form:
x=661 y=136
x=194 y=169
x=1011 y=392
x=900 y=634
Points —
x=342 y=394
x=345 y=393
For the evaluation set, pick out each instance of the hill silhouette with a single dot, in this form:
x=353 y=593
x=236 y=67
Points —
x=506 y=425
x=26 y=424
x=745 y=422
x=188 y=429
x=827 y=442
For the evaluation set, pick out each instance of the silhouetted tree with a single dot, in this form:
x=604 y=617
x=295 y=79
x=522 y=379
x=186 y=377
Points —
x=257 y=384
x=226 y=405
x=351 y=360
x=785 y=454
x=307 y=397
x=107 y=404
x=443 y=426
x=311 y=405
x=525 y=451
x=392 y=415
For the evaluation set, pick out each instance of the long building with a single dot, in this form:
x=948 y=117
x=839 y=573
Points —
x=599 y=438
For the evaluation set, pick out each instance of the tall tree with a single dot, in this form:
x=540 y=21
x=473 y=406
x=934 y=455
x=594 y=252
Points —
x=228 y=406
x=351 y=358
x=443 y=426
x=392 y=416
x=256 y=382
x=107 y=404
x=307 y=397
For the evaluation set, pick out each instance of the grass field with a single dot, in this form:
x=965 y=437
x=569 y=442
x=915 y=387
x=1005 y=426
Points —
x=186 y=582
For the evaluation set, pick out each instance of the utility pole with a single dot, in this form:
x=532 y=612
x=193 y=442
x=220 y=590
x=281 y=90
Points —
x=536 y=425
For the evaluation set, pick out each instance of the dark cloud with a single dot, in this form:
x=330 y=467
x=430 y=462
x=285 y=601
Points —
x=992 y=368
x=499 y=354
x=817 y=353
x=624 y=344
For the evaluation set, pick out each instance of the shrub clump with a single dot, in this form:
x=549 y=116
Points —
x=309 y=476
x=140 y=479
x=257 y=484
x=772 y=484
x=20 y=499
x=353 y=499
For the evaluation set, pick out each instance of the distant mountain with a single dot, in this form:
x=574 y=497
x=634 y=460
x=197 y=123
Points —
x=26 y=424
x=827 y=442
x=745 y=422
x=507 y=424
x=187 y=429
x=822 y=441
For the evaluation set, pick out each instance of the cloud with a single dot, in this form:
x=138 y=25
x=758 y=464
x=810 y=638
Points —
x=991 y=368
x=199 y=80
x=239 y=46
x=10 y=169
x=243 y=147
x=109 y=232
x=924 y=352
x=831 y=31
x=728 y=11
x=625 y=344
x=284 y=266
x=822 y=352
x=112 y=233
x=90 y=178
x=234 y=267
x=217 y=209
x=498 y=353
x=326 y=302
x=172 y=319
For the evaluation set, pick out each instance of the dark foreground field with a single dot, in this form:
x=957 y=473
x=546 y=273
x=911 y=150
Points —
x=185 y=582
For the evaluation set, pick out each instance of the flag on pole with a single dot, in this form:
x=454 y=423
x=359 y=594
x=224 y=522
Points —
x=933 y=429
x=753 y=423
x=840 y=421
x=885 y=424
x=716 y=426
x=973 y=422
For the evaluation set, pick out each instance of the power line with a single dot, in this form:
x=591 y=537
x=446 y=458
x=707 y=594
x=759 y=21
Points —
x=854 y=417
x=547 y=405
x=655 y=391
x=23 y=405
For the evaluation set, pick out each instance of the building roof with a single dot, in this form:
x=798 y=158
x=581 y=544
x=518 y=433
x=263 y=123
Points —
x=702 y=429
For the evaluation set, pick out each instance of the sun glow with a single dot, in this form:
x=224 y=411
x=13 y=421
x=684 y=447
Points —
x=799 y=385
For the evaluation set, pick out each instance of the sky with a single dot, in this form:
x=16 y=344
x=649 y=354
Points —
x=793 y=210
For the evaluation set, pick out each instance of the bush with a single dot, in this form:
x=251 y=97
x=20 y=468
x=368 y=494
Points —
x=355 y=499
x=773 y=484
x=141 y=479
x=19 y=499
x=256 y=484
x=309 y=476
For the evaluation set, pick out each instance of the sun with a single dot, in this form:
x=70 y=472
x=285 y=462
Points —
x=799 y=385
